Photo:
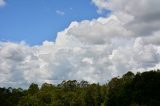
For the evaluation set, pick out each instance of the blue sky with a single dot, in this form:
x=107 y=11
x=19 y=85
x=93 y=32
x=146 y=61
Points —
x=34 y=21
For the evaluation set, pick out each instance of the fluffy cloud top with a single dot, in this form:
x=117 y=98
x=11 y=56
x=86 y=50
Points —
x=93 y=50
x=146 y=14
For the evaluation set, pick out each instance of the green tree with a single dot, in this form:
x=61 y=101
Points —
x=33 y=89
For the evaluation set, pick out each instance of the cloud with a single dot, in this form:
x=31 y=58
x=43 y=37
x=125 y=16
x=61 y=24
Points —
x=93 y=50
x=98 y=31
x=101 y=4
x=154 y=39
x=21 y=64
x=2 y=2
x=60 y=12
x=146 y=14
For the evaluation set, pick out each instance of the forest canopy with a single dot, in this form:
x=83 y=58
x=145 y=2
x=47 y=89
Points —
x=141 y=89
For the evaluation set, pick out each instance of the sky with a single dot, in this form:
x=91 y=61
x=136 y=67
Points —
x=34 y=21
x=93 y=40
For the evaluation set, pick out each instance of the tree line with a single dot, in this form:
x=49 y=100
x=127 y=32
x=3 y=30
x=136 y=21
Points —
x=141 y=89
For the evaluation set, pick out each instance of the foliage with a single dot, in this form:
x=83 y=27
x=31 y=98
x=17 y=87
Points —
x=142 y=89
